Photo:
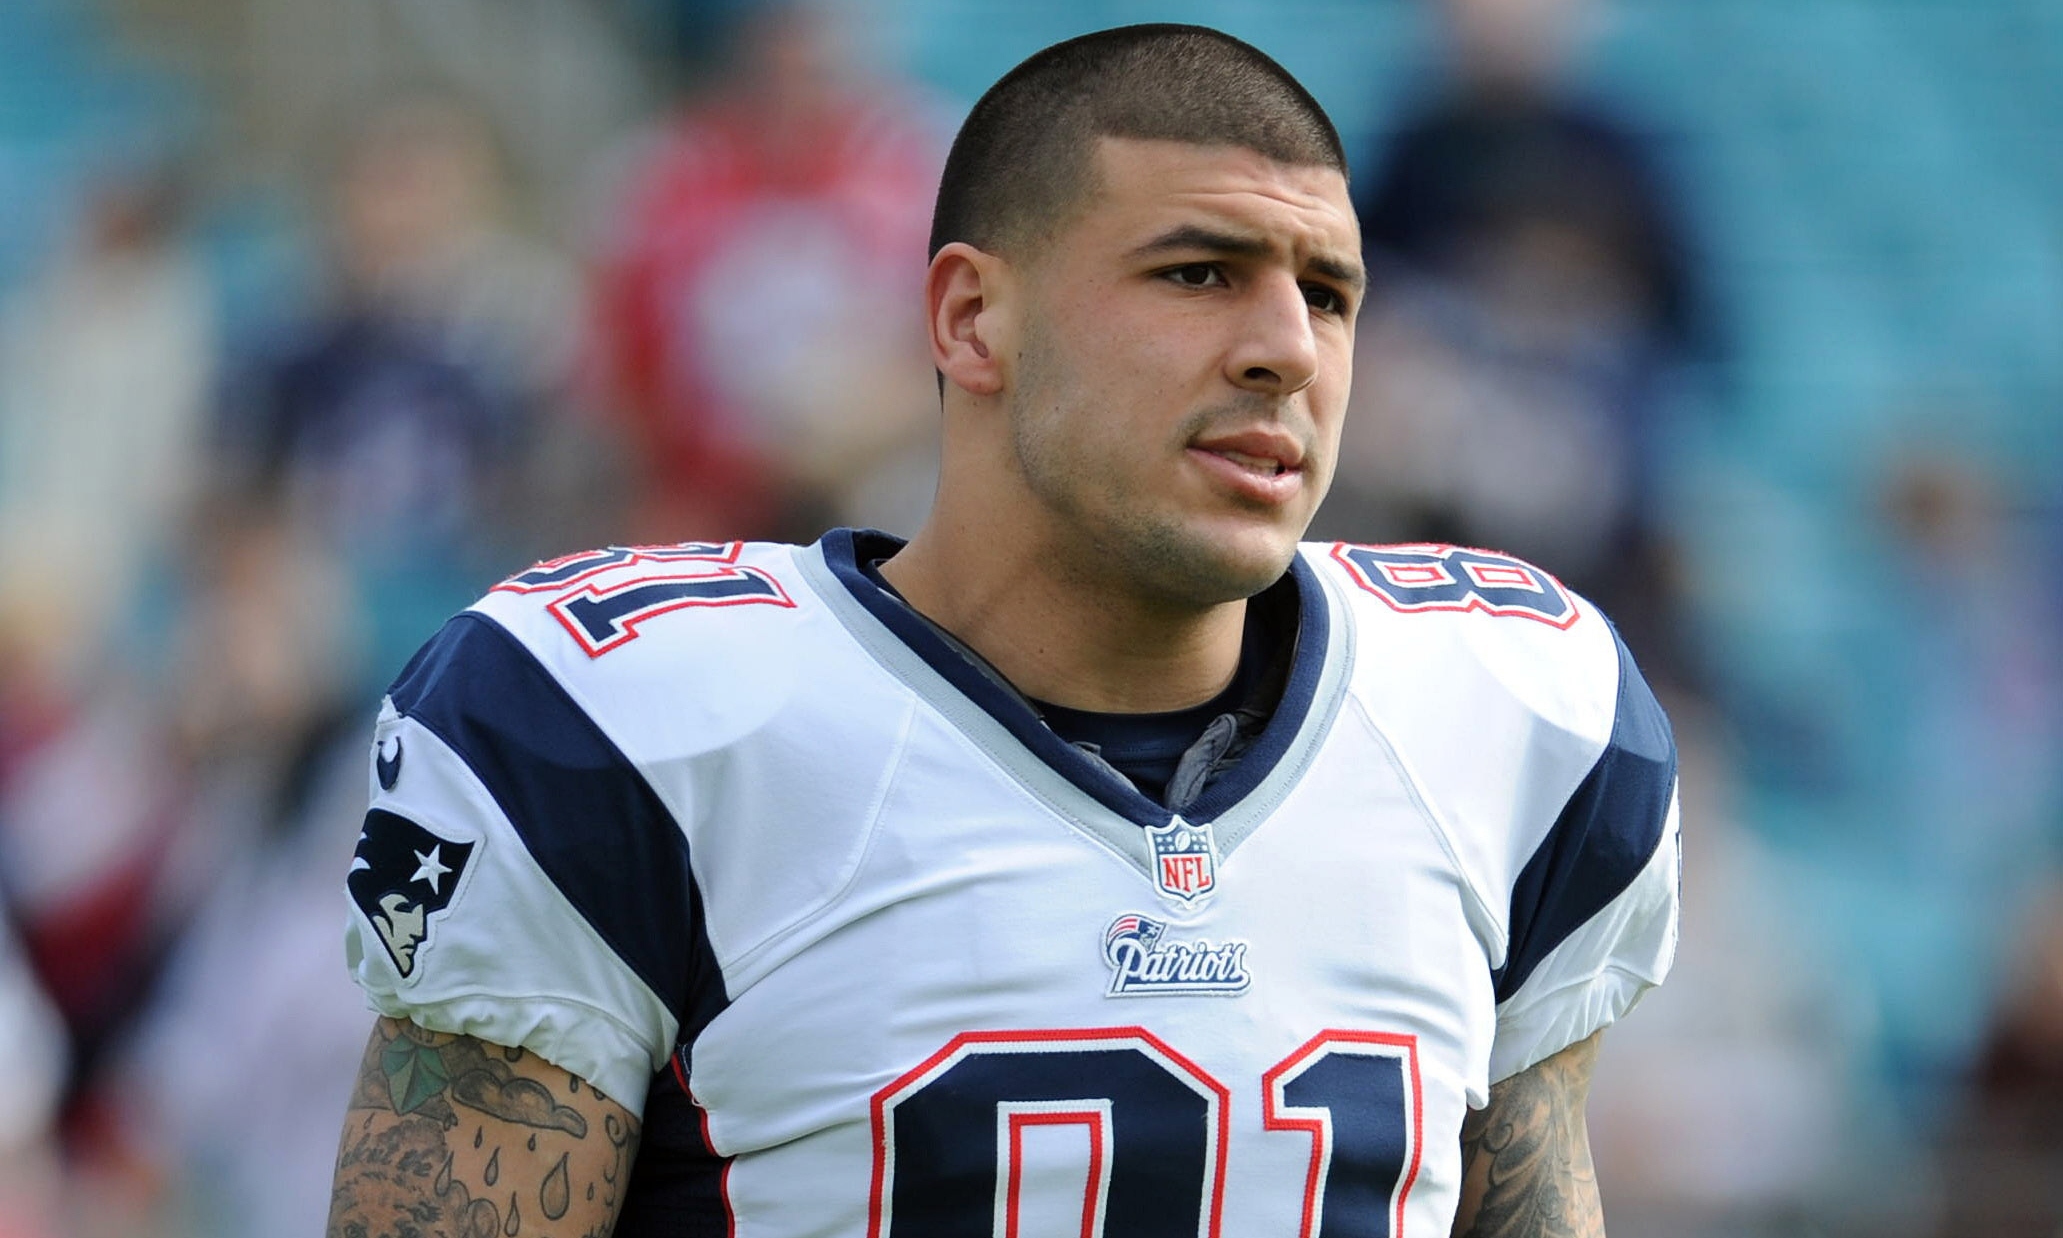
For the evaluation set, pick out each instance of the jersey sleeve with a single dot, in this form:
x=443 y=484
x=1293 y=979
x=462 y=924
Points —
x=517 y=879
x=1593 y=911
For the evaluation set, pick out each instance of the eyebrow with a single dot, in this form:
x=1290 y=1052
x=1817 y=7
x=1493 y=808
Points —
x=1193 y=237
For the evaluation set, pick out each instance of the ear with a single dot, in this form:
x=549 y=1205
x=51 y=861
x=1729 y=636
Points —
x=967 y=293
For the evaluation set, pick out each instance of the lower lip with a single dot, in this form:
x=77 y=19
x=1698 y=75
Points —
x=1255 y=487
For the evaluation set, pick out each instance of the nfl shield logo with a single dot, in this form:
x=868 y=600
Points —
x=1185 y=859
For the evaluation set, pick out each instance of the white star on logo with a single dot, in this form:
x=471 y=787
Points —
x=433 y=868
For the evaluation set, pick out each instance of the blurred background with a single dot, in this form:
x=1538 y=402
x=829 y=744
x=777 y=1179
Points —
x=319 y=316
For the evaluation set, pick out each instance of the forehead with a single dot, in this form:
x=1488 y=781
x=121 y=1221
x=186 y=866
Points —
x=1145 y=186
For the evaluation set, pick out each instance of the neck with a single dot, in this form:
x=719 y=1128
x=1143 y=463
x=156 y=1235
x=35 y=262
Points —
x=1083 y=644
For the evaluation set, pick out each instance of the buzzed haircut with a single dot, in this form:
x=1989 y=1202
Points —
x=1022 y=163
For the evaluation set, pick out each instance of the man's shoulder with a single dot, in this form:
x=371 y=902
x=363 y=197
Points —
x=631 y=636
x=1539 y=753
x=1445 y=631
x=595 y=603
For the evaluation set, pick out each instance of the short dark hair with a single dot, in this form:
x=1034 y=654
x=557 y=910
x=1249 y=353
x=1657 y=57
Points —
x=1022 y=161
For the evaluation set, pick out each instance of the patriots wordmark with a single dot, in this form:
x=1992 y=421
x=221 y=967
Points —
x=1142 y=961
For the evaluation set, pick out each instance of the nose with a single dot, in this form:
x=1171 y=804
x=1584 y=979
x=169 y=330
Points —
x=1276 y=352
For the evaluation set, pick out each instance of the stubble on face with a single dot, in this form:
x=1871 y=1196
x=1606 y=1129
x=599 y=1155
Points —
x=1111 y=539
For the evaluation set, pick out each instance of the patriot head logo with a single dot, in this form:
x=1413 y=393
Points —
x=401 y=877
x=1185 y=859
x=1129 y=931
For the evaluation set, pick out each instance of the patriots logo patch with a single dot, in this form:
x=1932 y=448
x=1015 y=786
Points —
x=1145 y=961
x=401 y=877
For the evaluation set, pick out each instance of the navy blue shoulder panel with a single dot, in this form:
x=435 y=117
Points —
x=1605 y=835
x=586 y=814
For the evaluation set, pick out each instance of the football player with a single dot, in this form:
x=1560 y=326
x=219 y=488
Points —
x=1101 y=861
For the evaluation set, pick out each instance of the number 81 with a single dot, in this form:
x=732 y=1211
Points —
x=948 y=1136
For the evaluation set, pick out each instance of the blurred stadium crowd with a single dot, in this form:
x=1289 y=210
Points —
x=319 y=316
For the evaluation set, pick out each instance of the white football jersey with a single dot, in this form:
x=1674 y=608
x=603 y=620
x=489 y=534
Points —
x=732 y=834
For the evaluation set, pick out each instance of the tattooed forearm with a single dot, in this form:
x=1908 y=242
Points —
x=1525 y=1157
x=449 y=1137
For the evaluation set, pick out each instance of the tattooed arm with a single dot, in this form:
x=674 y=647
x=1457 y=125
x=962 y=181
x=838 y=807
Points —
x=451 y=1137
x=1525 y=1156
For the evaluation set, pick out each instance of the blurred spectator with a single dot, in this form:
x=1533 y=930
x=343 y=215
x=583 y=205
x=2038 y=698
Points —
x=106 y=366
x=90 y=813
x=754 y=291
x=236 y=1075
x=1916 y=850
x=2004 y=1155
x=1956 y=782
x=1732 y=1105
x=170 y=831
x=400 y=431
x=1532 y=294
x=32 y=1043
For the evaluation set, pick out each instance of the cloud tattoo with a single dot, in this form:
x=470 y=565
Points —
x=516 y=1100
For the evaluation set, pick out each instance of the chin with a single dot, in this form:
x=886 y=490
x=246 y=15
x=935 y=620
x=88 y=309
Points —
x=1252 y=575
x=1209 y=566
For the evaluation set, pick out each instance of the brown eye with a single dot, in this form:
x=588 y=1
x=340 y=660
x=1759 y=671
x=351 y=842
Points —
x=1196 y=275
x=1324 y=299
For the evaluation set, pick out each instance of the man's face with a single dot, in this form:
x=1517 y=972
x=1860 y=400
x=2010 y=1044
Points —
x=1182 y=368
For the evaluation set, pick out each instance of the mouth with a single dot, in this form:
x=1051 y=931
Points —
x=1258 y=464
x=1261 y=464
x=1265 y=449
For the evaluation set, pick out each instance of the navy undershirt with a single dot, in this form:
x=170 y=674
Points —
x=1146 y=748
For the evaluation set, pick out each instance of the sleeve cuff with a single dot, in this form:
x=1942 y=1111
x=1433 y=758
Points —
x=1530 y=1035
x=578 y=1038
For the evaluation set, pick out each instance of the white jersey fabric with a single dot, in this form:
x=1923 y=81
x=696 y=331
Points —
x=733 y=835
